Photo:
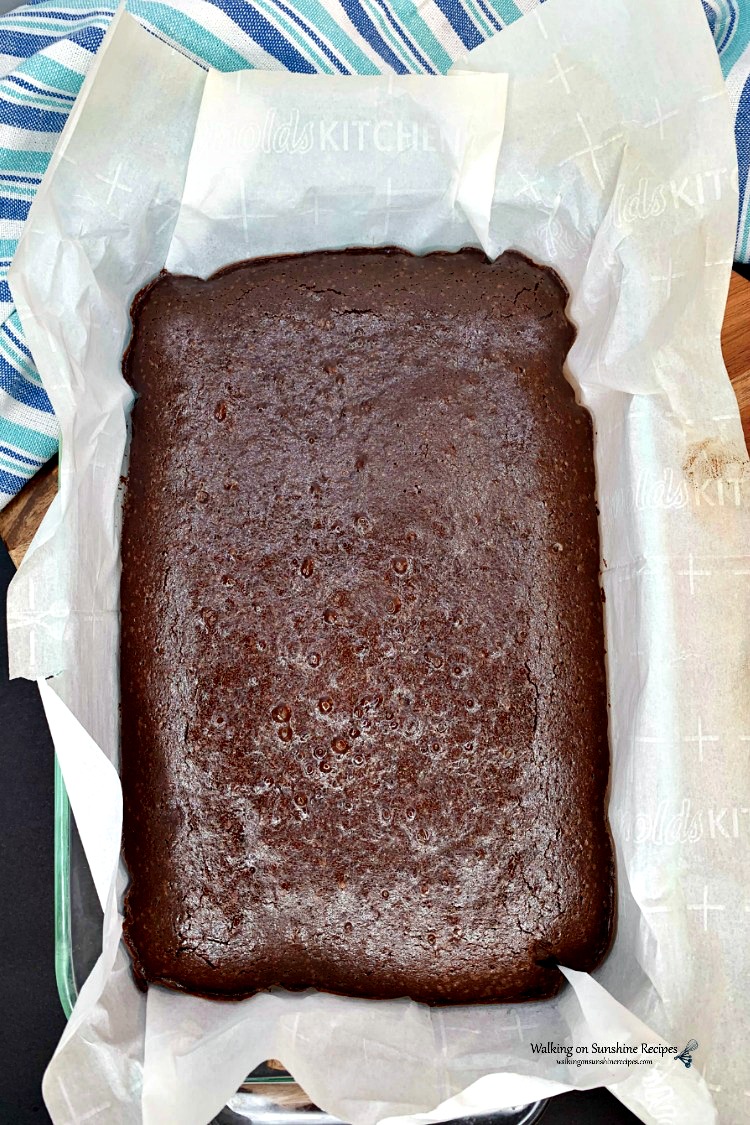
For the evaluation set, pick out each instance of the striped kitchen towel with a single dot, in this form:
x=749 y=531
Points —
x=46 y=49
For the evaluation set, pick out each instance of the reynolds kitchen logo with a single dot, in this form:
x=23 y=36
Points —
x=650 y=200
x=295 y=134
x=676 y=490
x=688 y=825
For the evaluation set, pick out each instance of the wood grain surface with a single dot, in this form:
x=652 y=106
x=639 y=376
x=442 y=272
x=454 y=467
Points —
x=735 y=343
x=20 y=519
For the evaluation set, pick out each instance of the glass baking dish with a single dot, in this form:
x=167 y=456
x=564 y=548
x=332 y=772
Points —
x=268 y=1096
x=78 y=919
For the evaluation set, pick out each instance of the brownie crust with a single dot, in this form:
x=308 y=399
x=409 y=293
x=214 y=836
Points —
x=364 y=714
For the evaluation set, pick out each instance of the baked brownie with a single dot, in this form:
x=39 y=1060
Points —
x=364 y=718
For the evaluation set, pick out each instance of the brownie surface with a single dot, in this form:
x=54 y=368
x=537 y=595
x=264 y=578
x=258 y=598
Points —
x=364 y=718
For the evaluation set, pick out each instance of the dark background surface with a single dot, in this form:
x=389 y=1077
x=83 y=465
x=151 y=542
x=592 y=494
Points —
x=30 y=1014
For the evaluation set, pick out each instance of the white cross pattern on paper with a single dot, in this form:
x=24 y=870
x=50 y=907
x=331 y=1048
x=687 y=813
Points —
x=660 y=118
x=529 y=188
x=542 y=28
x=521 y=1028
x=83 y=1116
x=700 y=738
x=243 y=205
x=691 y=573
x=163 y=226
x=114 y=183
x=455 y=216
x=388 y=198
x=591 y=149
x=94 y=1112
x=669 y=277
x=670 y=413
x=709 y=263
x=705 y=906
x=243 y=213
x=561 y=72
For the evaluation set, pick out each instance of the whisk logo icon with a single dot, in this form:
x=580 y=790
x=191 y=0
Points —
x=686 y=1054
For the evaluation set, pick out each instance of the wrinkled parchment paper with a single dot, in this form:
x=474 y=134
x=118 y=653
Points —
x=617 y=167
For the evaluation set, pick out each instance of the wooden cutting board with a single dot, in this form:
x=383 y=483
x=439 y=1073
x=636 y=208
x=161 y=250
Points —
x=20 y=519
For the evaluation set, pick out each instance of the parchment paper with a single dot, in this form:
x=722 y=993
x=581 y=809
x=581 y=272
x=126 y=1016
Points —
x=617 y=167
